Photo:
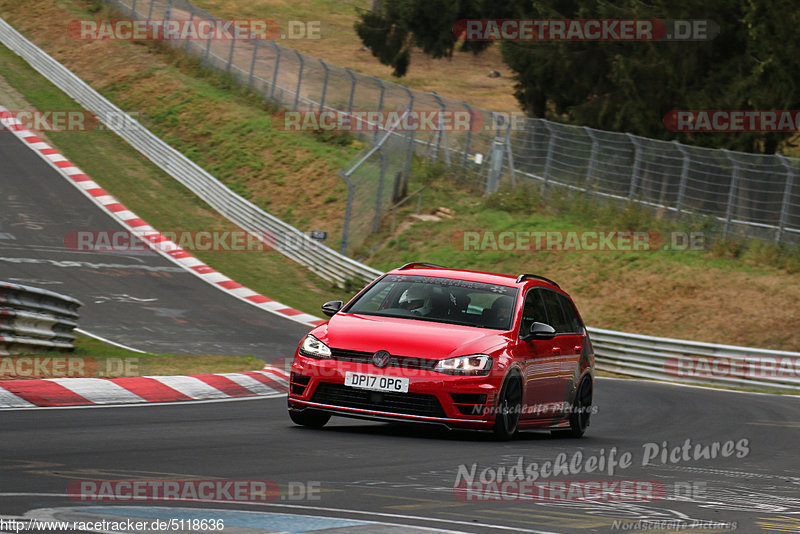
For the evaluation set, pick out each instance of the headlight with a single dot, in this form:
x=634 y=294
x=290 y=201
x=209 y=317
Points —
x=314 y=348
x=475 y=364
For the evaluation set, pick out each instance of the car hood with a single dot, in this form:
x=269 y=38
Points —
x=407 y=337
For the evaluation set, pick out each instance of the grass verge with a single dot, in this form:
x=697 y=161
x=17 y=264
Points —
x=95 y=359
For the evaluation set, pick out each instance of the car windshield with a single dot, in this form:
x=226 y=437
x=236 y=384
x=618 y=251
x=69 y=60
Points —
x=444 y=300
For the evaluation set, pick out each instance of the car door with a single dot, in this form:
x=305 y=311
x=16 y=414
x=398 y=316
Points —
x=568 y=343
x=541 y=367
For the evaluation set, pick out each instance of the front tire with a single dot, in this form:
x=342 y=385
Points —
x=309 y=418
x=509 y=406
x=581 y=412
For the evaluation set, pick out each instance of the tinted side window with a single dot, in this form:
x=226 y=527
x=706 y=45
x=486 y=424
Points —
x=558 y=319
x=533 y=310
x=572 y=316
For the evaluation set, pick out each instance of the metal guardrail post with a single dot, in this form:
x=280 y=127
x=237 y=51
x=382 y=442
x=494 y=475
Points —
x=352 y=89
x=378 y=201
x=275 y=70
x=347 y=211
x=438 y=125
x=380 y=102
x=684 y=177
x=731 y=193
x=230 y=55
x=410 y=136
x=787 y=194
x=510 y=155
x=468 y=140
x=324 y=85
x=252 y=64
x=191 y=18
x=548 y=162
x=299 y=79
x=637 y=162
x=592 y=157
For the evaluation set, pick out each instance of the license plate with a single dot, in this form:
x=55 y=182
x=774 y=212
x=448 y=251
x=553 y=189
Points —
x=376 y=382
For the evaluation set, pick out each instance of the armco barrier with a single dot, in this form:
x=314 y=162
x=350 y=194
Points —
x=284 y=238
x=35 y=320
x=695 y=362
x=629 y=354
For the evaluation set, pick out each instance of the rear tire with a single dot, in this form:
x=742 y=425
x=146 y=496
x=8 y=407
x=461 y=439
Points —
x=309 y=418
x=509 y=406
x=581 y=412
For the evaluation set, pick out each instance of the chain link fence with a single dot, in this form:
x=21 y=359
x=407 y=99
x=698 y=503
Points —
x=750 y=194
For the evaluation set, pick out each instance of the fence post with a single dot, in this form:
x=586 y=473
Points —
x=230 y=55
x=324 y=85
x=410 y=136
x=787 y=193
x=275 y=70
x=548 y=162
x=352 y=89
x=731 y=193
x=380 y=103
x=496 y=160
x=637 y=162
x=191 y=18
x=168 y=11
x=510 y=156
x=150 y=10
x=684 y=177
x=376 y=220
x=133 y=10
x=592 y=158
x=468 y=140
x=347 y=211
x=299 y=80
x=253 y=64
x=438 y=126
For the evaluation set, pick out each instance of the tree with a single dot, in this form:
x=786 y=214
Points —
x=613 y=85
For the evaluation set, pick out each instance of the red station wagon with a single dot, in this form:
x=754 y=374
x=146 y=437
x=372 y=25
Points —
x=458 y=348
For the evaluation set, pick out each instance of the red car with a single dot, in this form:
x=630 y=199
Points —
x=463 y=349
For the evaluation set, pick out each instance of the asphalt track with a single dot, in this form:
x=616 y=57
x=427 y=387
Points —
x=140 y=299
x=351 y=474
x=405 y=474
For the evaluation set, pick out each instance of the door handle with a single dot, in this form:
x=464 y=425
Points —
x=556 y=350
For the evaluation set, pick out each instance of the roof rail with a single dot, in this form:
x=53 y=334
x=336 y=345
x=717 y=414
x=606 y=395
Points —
x=415 y=264
x=523 y=277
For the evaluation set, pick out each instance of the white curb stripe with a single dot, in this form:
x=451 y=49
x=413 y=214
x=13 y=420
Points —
x=97 y=390
x=191 y=387
x=8 y=399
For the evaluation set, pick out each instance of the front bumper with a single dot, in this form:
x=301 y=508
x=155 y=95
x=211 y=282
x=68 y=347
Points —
x=450 y=400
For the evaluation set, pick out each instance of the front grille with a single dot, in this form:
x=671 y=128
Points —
x=403 y=362
x=401 y=403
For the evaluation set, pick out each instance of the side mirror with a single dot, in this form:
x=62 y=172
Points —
x=330 y=308
x=540 y=331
